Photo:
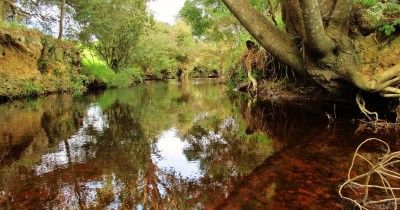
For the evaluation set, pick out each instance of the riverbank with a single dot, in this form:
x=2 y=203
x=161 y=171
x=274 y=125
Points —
x=228 y=151
x=35 y=64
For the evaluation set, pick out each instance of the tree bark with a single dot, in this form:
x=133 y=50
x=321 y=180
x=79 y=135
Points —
x=61 y=24
x=328 y=52
x=274 y=40
x=273 y=11
x=316 y=39
x=339 y=22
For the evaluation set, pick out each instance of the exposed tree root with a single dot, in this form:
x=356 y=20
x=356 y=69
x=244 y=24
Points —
x=253 y=81
x=386 y=169
x=253 y=58
x=361 y=104
x=386 y=83
x=262 y=62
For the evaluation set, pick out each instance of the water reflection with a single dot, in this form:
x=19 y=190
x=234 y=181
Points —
x=170 y=145
x=159 y=145
x=73 y=150
x=169 y=156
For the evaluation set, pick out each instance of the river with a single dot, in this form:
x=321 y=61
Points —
x=176 y=145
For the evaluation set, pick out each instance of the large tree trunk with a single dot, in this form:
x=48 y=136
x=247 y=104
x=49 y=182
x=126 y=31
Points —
x=320 y=44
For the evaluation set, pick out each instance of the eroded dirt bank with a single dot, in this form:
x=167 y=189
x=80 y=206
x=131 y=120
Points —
x=32 y=63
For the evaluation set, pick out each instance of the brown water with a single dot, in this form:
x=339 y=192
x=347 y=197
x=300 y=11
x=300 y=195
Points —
x=173 y=145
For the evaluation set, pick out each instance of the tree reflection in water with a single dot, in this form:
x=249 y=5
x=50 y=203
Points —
x=160 y=145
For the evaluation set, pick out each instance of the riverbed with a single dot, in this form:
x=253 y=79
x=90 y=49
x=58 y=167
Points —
x=176 y=145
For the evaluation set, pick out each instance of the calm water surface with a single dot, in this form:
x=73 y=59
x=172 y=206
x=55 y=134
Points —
x=174 y=145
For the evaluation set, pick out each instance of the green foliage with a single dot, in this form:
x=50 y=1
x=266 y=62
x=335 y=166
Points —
x=10 y=24
x=387 y=13
x=236 y=77
x=389 y=29
x=80 y=82
x=210 y=19
x=195 y=15
x=155 y=50
x=163 y=49
x=112 y=29
x=31 y=88
x=41 y=14
x=368 y=3
x=221 y=37
x=124 y=78
x=96 y=71
x=258 y=137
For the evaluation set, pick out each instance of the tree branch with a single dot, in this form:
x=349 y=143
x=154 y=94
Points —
x=317 y=41
x=294 y=18
x=275 y=41
x=273 y=11
x=339 y=20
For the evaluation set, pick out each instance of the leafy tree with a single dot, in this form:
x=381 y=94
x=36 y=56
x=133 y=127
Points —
x=112 y=28
x=166 y=51
x=156 y=51
x=221 y=38
x=183 y=39
x=209 y=19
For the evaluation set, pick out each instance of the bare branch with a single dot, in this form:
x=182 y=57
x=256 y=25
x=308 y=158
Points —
x=317 y=41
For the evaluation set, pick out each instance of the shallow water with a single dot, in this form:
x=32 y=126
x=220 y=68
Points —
x=175 y=145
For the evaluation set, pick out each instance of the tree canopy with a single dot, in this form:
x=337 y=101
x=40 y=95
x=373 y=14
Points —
x=112 y=28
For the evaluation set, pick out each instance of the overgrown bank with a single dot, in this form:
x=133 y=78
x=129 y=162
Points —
x=33 y=64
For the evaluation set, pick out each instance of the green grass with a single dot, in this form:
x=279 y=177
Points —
x=10 y=24
x=96 y=69
x=31 y=88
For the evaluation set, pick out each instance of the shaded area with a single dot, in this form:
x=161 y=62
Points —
x=314 y=161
